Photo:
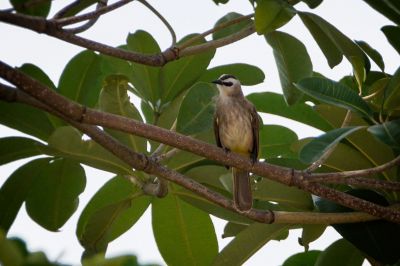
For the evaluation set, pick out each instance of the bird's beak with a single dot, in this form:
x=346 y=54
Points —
x=217 y=82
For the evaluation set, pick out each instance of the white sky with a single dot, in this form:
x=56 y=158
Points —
x=353 y=18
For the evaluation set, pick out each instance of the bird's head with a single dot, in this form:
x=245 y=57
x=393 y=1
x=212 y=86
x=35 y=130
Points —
x=228 y=85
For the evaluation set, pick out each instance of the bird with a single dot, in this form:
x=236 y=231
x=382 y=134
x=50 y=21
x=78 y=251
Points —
x=236 y=129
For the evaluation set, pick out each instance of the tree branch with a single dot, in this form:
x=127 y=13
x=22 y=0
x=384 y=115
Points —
x=77 y=114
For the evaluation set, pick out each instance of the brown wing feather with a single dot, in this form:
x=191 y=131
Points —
x=216 y=132
x=255 y=124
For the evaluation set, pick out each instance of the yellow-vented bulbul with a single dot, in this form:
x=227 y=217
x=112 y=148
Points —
x=236 y=129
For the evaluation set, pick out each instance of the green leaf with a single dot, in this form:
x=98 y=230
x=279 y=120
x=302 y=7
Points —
x=124 y=260
x=15 y=148
x=115 y=208
x=312 y=3
x=388 y=8
x=373 y=54
x=273 y=103
x=335 y=93
x=275 y=141
x=392 y=33
x=32 y=7
x=294 y=198
x=310 y=233
x=82 y=78
x=377 y=239
x=247 y=242
x=10 y=254
x=116 y=66
x=334 y=44
x=217 y=2
x=341 y=252
x=85 y=151
x=313 y=150
x=302 y=259
x=247 y=74
x=188 y=230
x=63 y=180
x=230 y=29
x=38 y=74
x=232 y=229
x=78 y=7
x=114 y=99
x=272 y=14
x=180 y=75
x=293 y=63
x=392 y=92
x=197 y=109
x=145 y=79
x=16 y=188
x=388 y=133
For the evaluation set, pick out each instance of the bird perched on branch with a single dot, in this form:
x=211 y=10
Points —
x=236 y=128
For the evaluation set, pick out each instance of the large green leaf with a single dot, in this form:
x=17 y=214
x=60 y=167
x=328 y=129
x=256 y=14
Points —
x=272 y=14
x=145 y=79
x=392 y=92
x=82 y=78
x=334 y=44
x=31 y=7
x=185 y=228
x=291 y=197
x=247 y=74
x=114 y=99
x=273 y=103
x=15 y=148
x=373 y=54
x=63 y=180
x=302 y=259
x=392 y=34
x=180 y=75
x=341 y=252
x=293 y=63
x=16 y=188
x=197 y=109
x=85 y=151
x=313 y=150
x=115 y=208
x=388 y=133
x=275 y=142
x=230 y=29
x=310 y=233
x=388 y=8
x=335 y=93
x=247 y=242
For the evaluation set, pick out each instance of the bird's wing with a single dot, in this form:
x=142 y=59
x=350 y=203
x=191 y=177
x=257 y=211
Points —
x=216 y=131
x=255 y=125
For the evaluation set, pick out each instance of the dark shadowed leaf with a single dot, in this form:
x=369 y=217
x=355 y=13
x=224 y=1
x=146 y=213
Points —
x=180 y=75
x=220 y=1
x=16 y=188
x=114 y=99
x=145 y=79
x=313 y=150
x=388 y=133
x=185 y=228
x=114 y=209
x=62 y=180
x=273 y=103
x=247 y=74
x=85 y=151
x=230 y=29
x=302 y=259
x=15 y=148
x=335 y=93
x=78 y=7
x=312 y=3
x=392 y=92
x=197 y=109
x=82 y=78
x=272 y=14
x=388 y=8
x=232 y=229
x=310 y=233
x=392 y=35
x=293 y=63
x=341 y=252
x=248 y=242
x=373 y=54
x=31 y=7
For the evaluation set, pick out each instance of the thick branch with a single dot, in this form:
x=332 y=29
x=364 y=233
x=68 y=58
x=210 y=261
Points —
x=76 y=112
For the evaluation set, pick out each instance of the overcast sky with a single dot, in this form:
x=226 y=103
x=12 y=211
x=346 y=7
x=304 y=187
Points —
x=354 y=18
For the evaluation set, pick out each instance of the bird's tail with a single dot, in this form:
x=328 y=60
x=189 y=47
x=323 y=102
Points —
x=242 y=190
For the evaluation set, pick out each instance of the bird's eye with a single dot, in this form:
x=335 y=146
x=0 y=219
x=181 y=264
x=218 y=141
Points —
x=228 y=84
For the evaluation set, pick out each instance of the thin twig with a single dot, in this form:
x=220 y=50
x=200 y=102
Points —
x=282 y=217
x=215 y=29
x=363 y=182
x=161 y=17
